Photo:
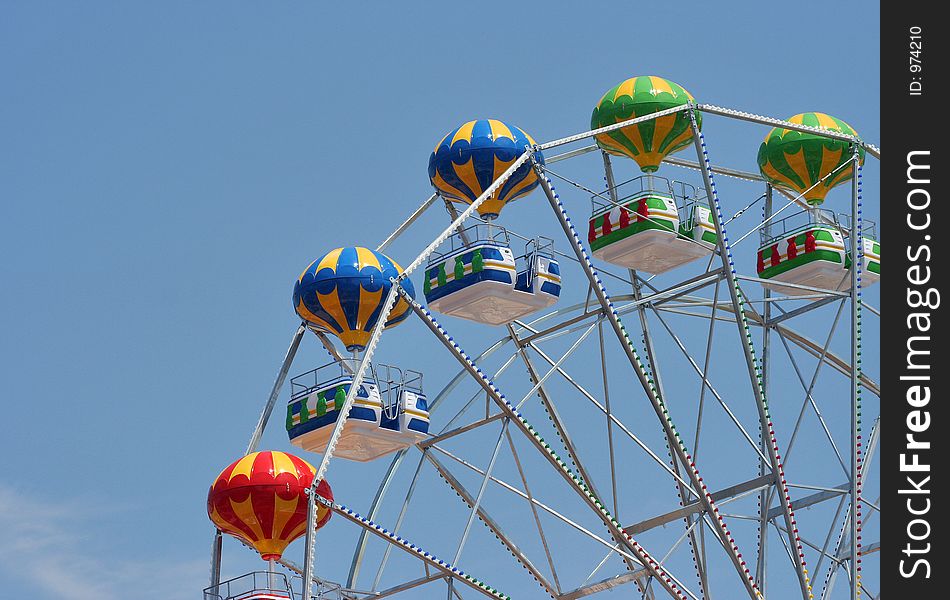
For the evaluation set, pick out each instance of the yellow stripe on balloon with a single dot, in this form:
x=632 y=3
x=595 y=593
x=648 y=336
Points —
x=847 y=128
x=283 y=511
x=245 y=512
x=368 y=303
x=354 y=337
x=466 y=172
x=650 y=159
x=304 y=312
x=449 y=190
x=283 y=464
x=611 y=144
x=661 y=85
x=491 y=206
x=464 y=132
x=328 y=262
x=797 y=119
x=632 y=133
x=331 y=303
x=625 y=88
x=798 y=164
x=399 y=310
x=530 y=139
x=662 y=128
x=217 y=518
x=243 y=467
x=367 y=258
x=442 y=141
x=826 y=122
x=520 y=188
x=843 y=175
x=499 y=167
x=829 y=161
x=779 y=178
x=499 y=130
x=300 y=529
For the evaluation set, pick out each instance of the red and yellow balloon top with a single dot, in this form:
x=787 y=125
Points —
x=260 y=499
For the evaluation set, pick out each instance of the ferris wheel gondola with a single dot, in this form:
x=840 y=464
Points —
x=477 y=276
x=812 y=248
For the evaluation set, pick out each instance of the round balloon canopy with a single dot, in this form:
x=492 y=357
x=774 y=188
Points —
x=650 y=141
x=470 y=157
x=808 y=163
x=343 y=293
x=260 y=499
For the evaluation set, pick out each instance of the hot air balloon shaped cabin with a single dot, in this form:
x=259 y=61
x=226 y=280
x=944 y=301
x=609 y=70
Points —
x=342 y=293
x=654 y=225
x=475 y=275
x=648 y=223
x=261 y=500
x=812 y=247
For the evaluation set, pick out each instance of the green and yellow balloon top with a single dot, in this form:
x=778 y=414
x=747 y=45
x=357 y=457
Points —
x=648 y=142
x=807 y=163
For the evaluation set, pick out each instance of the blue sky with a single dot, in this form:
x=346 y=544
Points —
x=167 y=170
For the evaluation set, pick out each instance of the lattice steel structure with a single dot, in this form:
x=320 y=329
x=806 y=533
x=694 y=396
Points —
x=674 y=438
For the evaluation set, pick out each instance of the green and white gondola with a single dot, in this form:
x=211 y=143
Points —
x=871 y=267
x=659 y=227
x=813 y=254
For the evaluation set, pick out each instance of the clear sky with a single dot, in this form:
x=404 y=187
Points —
x=168 y=168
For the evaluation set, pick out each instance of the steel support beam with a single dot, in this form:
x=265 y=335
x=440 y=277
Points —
x=603 y=585
x=857 y=259
x=402 y=587
x=683 y=492
x=659 y=405
x=765 y=497
x=771 y=321
x=398 y=458
x=490 y=522
x=442 y=566
x=773 y=122
x=765 y=421
x=405 y=224
x=275 y=389
x=667 y=580
x=216 y=547
x=760 y=482
x=556 y=420
x=459 y=430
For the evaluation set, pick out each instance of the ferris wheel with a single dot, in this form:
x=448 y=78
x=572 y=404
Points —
x=677 y=400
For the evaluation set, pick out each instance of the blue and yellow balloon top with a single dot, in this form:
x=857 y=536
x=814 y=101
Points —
x=470 y=157
x=343 y=293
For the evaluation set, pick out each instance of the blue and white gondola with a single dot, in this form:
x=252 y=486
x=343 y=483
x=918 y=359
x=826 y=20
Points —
x=481 y=282
x=372 y=430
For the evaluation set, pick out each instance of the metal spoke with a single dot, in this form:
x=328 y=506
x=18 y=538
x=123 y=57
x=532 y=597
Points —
x=809 y=400
x=534 y=511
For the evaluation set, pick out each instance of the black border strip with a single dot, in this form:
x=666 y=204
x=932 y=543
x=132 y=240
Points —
x=913 y=63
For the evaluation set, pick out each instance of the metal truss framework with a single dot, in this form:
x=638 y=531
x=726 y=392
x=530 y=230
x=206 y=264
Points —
x=699 y=507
